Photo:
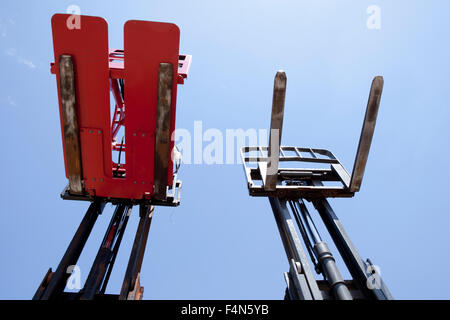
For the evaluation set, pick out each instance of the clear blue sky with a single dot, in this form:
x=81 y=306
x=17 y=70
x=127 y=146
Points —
x=220 y=243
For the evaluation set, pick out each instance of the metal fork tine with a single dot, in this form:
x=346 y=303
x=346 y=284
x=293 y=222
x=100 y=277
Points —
x=276 y=127
x=367 y=131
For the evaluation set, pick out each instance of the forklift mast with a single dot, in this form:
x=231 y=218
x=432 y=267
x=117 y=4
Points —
x=292 y=176
x=142 y=80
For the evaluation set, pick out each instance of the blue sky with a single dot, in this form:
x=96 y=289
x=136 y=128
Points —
x=220 y=243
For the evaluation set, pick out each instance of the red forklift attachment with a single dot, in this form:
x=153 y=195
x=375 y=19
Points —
x=142 y=80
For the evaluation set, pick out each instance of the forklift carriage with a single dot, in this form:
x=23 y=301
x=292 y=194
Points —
x=143 y=81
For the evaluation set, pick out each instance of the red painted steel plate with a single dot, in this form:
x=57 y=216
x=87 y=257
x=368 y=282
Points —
x=88 y=47
x=147 y=44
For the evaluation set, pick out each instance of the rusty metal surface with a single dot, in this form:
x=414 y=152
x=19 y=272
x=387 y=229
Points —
x=276 y=127
x=70 y=124
x=138 y=291
x=367 y=131
x=162 y=142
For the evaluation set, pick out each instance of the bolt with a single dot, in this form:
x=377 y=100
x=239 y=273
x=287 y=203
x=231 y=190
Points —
x=299 y=267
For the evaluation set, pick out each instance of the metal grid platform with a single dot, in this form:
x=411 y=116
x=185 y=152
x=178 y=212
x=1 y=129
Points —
x=296 y=182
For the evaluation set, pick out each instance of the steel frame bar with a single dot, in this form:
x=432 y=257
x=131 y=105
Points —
x=137 y=254
x=118 y=119
x=331 y=158
x=172 y=200
x=116 y=247
x=303 y=233
x=58 y=279
x=291 y=293
x=335 y=172
x=302 y=276
x=116 y=65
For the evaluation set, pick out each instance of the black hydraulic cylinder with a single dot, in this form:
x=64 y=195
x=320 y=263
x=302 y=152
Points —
x=104 y=256
x=115 y=251
x=349 y=254
x=331 y=271
x=59 y=278
x=325 y=257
